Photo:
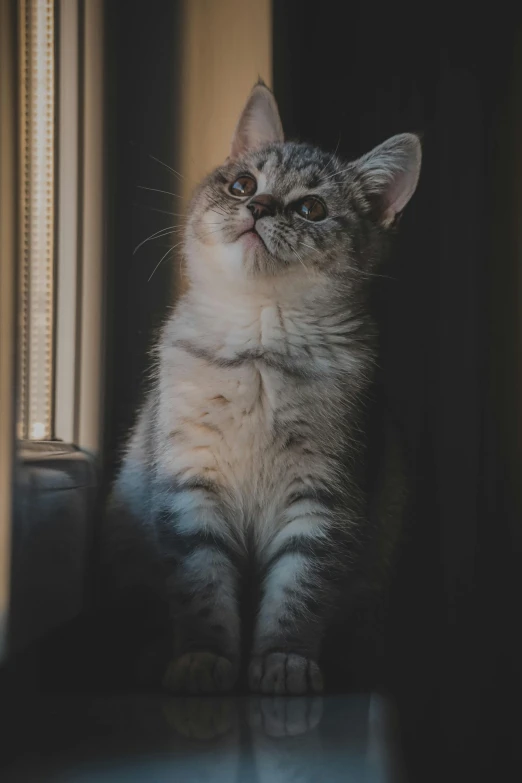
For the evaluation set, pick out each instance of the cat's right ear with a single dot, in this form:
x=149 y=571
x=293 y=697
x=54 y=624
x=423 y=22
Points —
x=259 y=123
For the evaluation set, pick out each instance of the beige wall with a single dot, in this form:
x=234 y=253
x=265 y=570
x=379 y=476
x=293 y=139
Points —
x=227 y=45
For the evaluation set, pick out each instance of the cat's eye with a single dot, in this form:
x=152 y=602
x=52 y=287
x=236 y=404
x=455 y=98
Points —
x=243 y=186
x=310 y=208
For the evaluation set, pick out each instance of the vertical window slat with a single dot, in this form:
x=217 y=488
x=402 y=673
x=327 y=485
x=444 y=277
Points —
x=35 y=418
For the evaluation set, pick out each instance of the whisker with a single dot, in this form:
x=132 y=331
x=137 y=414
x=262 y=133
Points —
x=157 y=190
x=208 y=233
x=300 y=259
x=161 y=233
x=163 y=257
x=330 y=160
x=214 y=201
x=362 y=273
x=163 y=211
x=336 y=173
x=217 y=208
x=178 y=175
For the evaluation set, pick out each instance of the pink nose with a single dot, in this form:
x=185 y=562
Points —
x=262 y=206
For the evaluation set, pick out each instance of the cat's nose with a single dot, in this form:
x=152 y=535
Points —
x=262 y=206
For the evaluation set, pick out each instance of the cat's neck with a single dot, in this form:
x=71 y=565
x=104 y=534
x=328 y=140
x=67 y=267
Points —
x=231 y=304
x=267 y=317
x=225 y=295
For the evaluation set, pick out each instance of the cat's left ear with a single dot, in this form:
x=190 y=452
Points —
x=259 y=123
x=389 y=175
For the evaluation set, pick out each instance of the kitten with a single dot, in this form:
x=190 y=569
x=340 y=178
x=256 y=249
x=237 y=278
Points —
x=245 y=460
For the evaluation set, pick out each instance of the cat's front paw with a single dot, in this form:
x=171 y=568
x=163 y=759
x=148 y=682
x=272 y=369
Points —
x=200 y=672
x=284 y=673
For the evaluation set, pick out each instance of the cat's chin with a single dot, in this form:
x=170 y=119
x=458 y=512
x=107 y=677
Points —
x=251 y=239
x=257 y=258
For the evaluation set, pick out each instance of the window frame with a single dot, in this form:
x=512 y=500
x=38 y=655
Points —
x=37 y=591
x=8 y=288
x=79 y=231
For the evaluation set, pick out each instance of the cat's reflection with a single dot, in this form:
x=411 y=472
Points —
x=266 y=738
x=277 y=739
x=202 y=719
x=280 y=716
x=270 y=739
x=275 y=716
x=286 y=743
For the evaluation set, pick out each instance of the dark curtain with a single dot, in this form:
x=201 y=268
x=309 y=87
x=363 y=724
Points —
x=142 y=88
x=347 y=78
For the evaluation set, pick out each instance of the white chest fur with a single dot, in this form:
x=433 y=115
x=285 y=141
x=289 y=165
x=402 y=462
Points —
x=228 y=390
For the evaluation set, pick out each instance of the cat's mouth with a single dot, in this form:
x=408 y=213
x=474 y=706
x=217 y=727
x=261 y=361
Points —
x=252 y=237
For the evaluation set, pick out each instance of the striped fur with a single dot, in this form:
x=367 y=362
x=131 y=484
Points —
x=242 y=467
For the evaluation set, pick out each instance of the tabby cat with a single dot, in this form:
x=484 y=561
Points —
x=243 y=467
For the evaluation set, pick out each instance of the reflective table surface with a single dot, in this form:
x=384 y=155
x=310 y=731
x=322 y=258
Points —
x=76 y=738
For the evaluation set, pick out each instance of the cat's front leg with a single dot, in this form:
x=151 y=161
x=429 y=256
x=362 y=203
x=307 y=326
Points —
x=202 y=590
x=299 y=592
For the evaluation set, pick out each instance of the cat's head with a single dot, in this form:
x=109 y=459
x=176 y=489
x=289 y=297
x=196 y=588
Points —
x=277 y=208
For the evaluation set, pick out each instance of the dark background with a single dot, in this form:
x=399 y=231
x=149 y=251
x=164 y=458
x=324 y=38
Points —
x=349 y=76
x=142 y=49
x=348 y=79
x=451 y=344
